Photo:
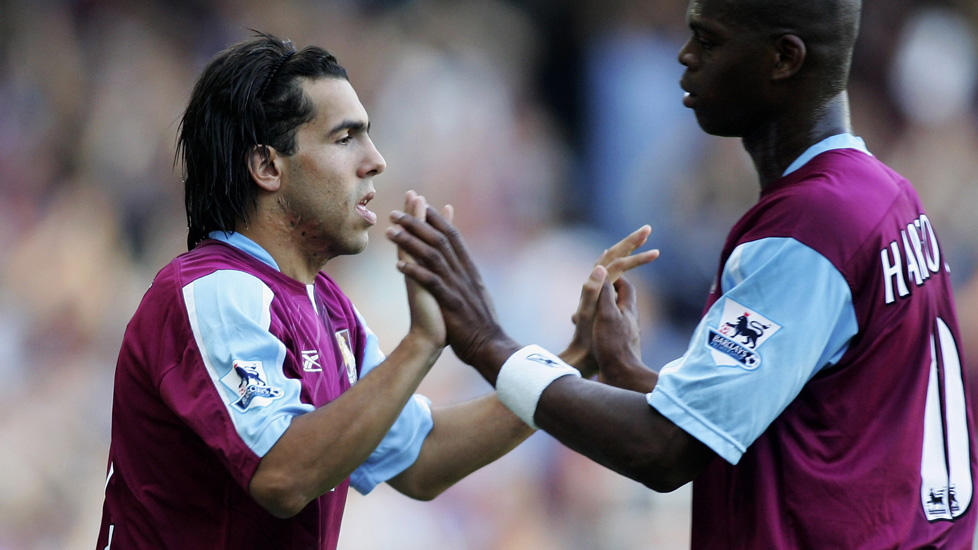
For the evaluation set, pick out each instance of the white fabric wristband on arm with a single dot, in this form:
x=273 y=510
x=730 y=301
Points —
x=525 y=375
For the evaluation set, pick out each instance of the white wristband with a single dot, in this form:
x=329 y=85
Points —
x=525 y=375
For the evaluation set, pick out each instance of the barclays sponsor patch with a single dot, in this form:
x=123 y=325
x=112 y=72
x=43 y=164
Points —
x=747 y=358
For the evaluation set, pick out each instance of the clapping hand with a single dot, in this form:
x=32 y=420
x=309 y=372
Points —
x=612 y=264
x=442 y=266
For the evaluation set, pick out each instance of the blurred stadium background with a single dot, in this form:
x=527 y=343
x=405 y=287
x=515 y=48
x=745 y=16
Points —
x=553 y=127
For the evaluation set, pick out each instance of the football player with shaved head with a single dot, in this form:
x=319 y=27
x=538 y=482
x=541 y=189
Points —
x=821 y=402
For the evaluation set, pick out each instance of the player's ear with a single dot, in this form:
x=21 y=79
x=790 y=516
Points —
x=264 y=165
x=790 y=55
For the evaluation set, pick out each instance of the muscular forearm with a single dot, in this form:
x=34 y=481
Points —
x=320 y=449
x=638 y=378
x=618 y=429
x=465 y=438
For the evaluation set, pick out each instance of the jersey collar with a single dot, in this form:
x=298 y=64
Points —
x=246 y=245
x=838 y=141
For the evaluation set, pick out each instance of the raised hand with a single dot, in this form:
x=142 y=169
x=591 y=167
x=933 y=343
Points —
x=444 y=268
x=619 y=258
x=611 y=265
x=616 y=338
x=426 y=319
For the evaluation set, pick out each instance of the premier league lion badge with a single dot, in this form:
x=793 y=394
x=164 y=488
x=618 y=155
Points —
x=249 y=380
x=735 y=339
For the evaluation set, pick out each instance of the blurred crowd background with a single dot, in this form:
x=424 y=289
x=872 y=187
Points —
x=554 y=128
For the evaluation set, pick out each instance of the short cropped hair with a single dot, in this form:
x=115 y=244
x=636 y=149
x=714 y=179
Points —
x=248 y=96
x=829 y=29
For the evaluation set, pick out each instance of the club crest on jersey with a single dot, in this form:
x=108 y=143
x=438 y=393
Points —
x=735 y=339
x=346 y=349
x=249 y=380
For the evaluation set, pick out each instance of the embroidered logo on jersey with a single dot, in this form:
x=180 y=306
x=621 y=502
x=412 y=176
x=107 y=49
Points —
x=248 y=377
x=310 y=360
x=346 y=349
x=738 y=335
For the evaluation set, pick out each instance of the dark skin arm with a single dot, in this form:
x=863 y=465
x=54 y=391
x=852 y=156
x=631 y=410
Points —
x=465 y=436
x=613 y=426
x=619 y=430
x=469 y=435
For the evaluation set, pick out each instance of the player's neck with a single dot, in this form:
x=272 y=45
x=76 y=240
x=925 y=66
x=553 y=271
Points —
x=774 y=148
x=292 y=260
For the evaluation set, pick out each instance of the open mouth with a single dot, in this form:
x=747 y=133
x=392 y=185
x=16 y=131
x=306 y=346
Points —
x=369 y=216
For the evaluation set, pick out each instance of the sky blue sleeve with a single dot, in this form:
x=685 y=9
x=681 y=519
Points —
x=402 y=444
x=230 y=314
x=786 y=313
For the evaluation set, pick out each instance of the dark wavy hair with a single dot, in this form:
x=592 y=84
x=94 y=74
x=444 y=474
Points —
x=248 y=96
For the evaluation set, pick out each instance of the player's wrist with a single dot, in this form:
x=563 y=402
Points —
x=486 y=352
x=630 y=375
x=525 y=375
x=580 y=358
x=423 y=345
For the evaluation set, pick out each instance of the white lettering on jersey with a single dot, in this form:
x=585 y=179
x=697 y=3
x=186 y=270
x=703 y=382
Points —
x=946 y=487
x=923 y=258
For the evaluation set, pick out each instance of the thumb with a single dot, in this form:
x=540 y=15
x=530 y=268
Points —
x=626 y=294
x=607 y=300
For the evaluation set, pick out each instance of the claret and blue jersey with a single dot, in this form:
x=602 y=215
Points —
x=222 y=353
x=826 y=373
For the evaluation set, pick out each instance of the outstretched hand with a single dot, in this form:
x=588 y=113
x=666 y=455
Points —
x=442 y=266
x=610 y=266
